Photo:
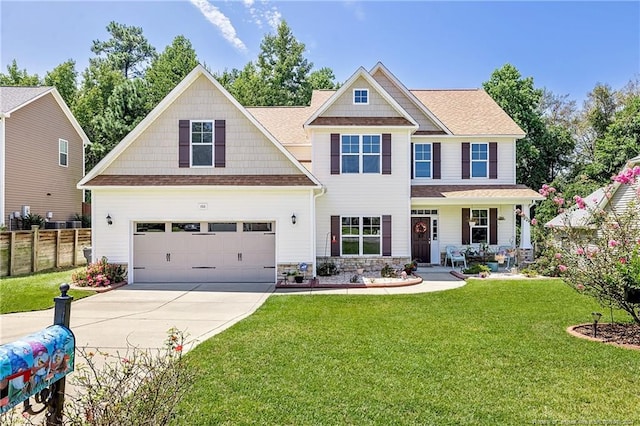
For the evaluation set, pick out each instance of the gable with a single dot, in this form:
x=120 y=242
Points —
x=425 y=123
x=343 y=106
x=248 y=149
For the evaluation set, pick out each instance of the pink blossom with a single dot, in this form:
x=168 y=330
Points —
x=518 y=211
x=580 y=250
x=580 y=287
x=534 y=222
x=562 y=268
x=579 y=202
x=623 y=260
x=558 y=256
x=558 y=200
x=613 y=243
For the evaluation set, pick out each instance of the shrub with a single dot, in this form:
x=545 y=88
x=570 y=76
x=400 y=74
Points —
x=32 y=219
x=85 y=219
x=388 y=272
x=476 y=268
x=99 y=274
x=327 y=269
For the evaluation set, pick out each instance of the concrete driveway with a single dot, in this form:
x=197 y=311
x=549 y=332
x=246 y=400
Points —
x=141 y=314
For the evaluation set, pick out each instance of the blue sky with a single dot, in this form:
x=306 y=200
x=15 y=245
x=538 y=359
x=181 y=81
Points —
x=566 y=46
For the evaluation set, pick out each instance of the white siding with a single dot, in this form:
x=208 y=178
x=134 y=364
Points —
x=418 y=115
x=377 y=107
x=624 y=195
x=365 y=194
x=293 y=242
x=248 y=151
x=451 y=161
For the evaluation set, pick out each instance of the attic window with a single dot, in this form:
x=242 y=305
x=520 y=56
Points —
x=361 y=96
x=63 y=152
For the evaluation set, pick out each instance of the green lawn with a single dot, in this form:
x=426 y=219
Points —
x=35 y=292
x=491 y=353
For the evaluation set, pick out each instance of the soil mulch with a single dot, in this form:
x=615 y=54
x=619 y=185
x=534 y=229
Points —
x=627 y=335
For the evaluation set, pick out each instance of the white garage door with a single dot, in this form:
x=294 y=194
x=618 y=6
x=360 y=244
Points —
x=204 y=252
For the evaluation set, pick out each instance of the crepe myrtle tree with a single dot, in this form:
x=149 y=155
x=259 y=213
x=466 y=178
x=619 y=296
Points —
x=598 y=251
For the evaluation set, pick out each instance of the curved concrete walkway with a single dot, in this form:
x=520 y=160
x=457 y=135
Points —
x=141 y=314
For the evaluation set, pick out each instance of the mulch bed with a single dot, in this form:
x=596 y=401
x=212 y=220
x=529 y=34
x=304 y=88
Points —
x=626 y=335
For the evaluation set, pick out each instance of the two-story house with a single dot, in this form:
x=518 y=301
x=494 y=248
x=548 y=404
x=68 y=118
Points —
x=204 y=189
x=41 y=156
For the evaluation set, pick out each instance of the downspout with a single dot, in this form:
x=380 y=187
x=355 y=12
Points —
x=314 y=230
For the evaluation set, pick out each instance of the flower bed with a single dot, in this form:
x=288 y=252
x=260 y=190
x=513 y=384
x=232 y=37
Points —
x=100 y=274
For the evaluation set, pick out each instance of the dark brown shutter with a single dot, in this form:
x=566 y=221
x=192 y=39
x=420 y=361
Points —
x=335 y=154
x=220 y=143
x=386 y=235
x=412 y=168
x=493 y=226
x=493 y=161
x=466 y=160
x=436 y=160
x=183 y=144
x=466 y=232
x=386 y=153
x=335 y=235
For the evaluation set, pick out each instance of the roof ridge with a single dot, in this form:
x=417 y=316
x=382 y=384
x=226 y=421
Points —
x=469 y=89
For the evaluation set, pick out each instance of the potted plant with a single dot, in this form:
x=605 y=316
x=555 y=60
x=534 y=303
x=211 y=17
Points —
x=291 y=276
x=298 y=277
x=359 y=269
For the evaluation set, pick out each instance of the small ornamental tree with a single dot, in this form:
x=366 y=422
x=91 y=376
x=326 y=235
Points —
x=599 y=254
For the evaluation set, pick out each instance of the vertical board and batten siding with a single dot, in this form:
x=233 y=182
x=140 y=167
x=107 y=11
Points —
x=126 y=206
x=32 y=167
x=624 y=195
x=450 y=219
x=451 y=160
x=409 y=106
x=248 y=150
x=377 y=107
x=364 y=194
x=54 y=249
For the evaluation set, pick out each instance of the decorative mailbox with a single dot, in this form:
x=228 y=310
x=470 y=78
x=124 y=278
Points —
x=33 y=363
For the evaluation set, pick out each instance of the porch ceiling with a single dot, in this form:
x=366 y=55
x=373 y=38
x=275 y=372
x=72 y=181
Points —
x=464 y=194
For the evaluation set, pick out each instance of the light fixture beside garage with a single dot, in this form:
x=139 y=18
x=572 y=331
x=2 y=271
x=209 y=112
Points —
x=294 y=219
x=109 y=221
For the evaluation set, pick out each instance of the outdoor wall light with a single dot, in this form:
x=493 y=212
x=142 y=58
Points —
x=294 y=219
x=109 y=221
x=596 y=317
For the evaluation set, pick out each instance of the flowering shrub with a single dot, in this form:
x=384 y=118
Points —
x=600 y=255
x=99 y=274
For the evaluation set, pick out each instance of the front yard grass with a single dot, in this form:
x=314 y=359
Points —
x=490 y=353
x=35 y=292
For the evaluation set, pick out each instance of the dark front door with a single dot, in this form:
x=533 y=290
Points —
x=421 y=239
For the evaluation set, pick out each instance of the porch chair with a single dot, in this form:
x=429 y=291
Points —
x=455 y=255
x=507 y=257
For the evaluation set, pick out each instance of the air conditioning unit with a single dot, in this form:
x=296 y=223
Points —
x=26 y=210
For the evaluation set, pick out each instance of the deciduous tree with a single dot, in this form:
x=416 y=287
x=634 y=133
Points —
x=64 y=78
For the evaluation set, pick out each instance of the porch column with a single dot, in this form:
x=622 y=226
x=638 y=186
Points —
x=525 y=228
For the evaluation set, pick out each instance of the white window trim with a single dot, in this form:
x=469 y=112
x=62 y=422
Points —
x=213 y=146
x=60 y=152
x=354 y=96
x=471 y=160
x=361 y=154
x=415 y=162
x=361 y=236
x=479 y=226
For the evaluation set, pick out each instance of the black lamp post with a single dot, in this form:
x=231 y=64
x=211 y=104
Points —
x=596 y=317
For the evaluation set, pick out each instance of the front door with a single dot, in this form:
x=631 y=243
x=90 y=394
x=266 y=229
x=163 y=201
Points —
x=421 y=239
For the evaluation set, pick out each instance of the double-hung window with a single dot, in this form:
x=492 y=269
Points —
x=202 y=143
x=479 y=226
x=422 y=158
x=360 y=153
x=361 y=235
x=63 y=152
x=360 y=96
x=479 y=160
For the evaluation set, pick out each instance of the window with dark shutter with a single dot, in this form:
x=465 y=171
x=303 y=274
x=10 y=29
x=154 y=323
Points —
x=335 y=235
x=335 y=153
x=386 y=153
x=493 y=226
x=436 y=148
x=466 y=231
x=493 y=161
x=184 y=159
x=220 y=143
x=466 y=161
x=386 y=235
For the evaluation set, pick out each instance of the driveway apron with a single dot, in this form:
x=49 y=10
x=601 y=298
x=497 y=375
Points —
x=141 y=314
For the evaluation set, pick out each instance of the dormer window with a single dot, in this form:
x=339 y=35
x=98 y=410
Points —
x=360 y=96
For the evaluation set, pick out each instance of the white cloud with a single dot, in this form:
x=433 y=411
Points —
x=261 y=12
x=218 y=19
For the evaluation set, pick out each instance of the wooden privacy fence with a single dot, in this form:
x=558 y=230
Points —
x=24 y=252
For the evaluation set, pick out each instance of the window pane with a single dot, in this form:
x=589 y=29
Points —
x=478 y=151
x=371 y=245
x=350 y=226
x=185 y=227
x=350 y=144
x=207 y=126
x=350 y=164
x=371 y=164
x=149 y=227
x=196 y=126
x=256 y=227
x=202 y=155
x=423 y=169
x=207 y=137
x=422 y=152
x=223 y=227
x=478 y=235
x=350 y=245
x=371 y=225
x=478 y=169
x=63 y=159
x=196 y=137
x=371 y=144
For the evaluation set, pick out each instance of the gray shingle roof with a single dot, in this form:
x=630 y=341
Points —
x=13 y=97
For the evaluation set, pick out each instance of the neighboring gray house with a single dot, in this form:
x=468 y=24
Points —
x=41 y=155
